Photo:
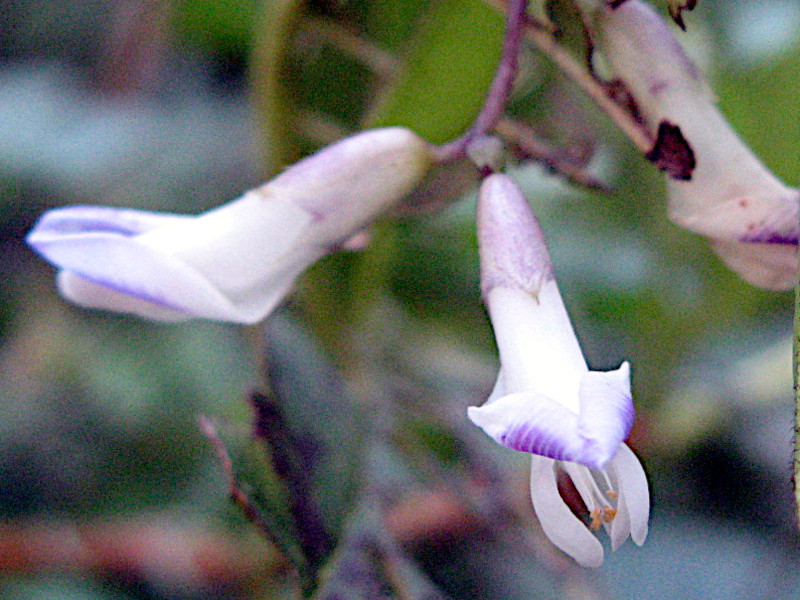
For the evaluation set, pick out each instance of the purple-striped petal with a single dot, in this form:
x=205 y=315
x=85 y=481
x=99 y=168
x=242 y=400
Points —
x=124 y=265
x=63 y=223
x=535 y=423
x=235 y=262
x=768 y=217
x=172 y=267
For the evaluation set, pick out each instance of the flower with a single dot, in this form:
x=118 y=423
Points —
x=237 y=261
x=546 y=401
x=749 y=216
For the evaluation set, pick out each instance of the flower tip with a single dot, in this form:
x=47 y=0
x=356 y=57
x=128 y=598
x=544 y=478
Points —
x=639 y=535
x=488 y=420
x=624 y=370
x=513 y=252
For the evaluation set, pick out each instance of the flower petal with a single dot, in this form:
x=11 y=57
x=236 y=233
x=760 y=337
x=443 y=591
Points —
x=538 y=347
x=234 y=262
x=170 y=267
x=562 y=527
x=771 y=266
x=531 y=422
x=88 y=294
x=730 y=196
x=499 y=389
x=512 y=247
x=606 y=413
x=535 y=423
x=59 y=223
x=754 y=214
x=351 y=182
x=130 y=268
x=634 y=496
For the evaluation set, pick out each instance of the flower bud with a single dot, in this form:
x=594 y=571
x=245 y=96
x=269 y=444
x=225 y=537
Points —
x=235 y=262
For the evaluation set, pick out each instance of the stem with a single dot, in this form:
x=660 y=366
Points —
x=796 y=377
x=542 y=37
x=524 y=137
x=498 y=94
x=546 y=42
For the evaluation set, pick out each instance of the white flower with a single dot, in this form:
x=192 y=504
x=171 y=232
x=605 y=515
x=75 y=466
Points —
x=546 y=400
x=237 y=261
x=749 y=216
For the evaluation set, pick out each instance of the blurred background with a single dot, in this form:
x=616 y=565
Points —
x=109 y=489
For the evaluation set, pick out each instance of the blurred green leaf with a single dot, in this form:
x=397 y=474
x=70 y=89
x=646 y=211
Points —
x=322 y=417
x=226 y=27
x=760 y=103
x=447 y=71
x=259 y=493
x=290 y=456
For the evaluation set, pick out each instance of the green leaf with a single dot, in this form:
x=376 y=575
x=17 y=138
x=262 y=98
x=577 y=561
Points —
x=291 y=456
x=450 y=64
x=224 y=26
x=259 y=493
x=322 y=417
x=756 y=100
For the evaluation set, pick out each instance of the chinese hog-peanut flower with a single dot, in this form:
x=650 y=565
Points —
x=235 y=262
x=749 y=216
x=546 y=401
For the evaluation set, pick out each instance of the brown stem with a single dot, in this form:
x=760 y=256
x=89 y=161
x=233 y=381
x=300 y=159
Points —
x=503 y=83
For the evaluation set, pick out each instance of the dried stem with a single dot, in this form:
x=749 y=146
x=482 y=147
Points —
x=237 y=494
x=531 y=146
x=546 y=42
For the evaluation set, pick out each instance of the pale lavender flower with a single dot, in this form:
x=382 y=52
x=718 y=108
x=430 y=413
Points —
x=546 y=400
x=237 y=261
x=749 y=216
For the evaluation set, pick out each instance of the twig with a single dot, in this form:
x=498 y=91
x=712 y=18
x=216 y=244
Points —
x=548 y=45
x=502 y=84
x=379 y=61
x=525 y=138
x=546 y=42
x=235 y=491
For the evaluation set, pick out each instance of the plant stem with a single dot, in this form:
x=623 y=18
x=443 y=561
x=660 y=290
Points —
x=546 y=42
x=796 y=377
x=501 y=87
